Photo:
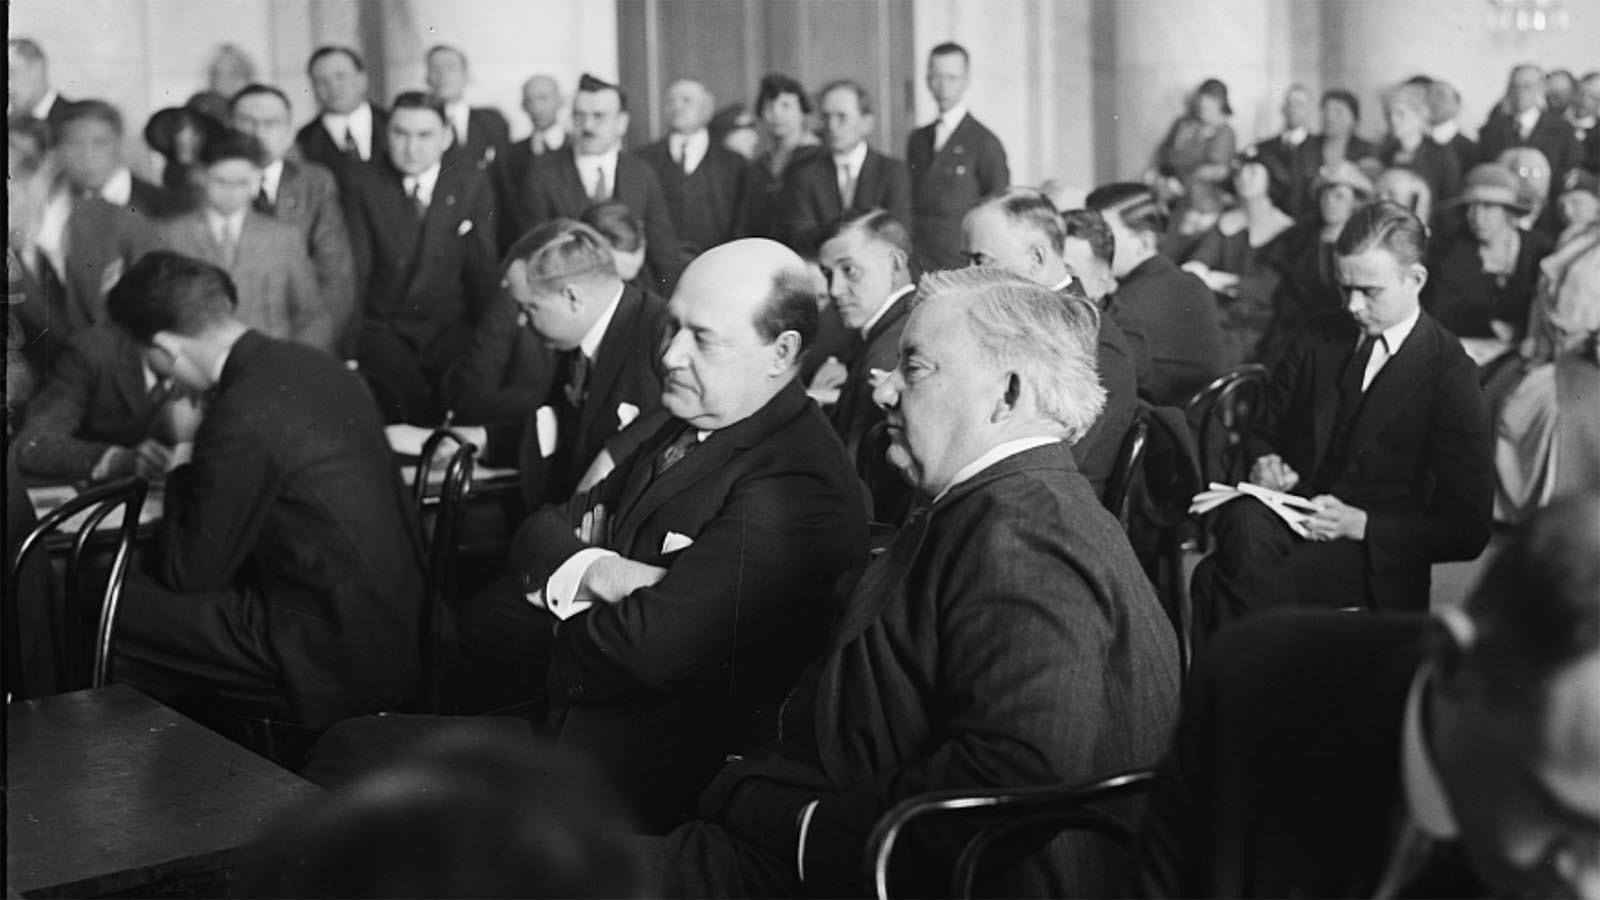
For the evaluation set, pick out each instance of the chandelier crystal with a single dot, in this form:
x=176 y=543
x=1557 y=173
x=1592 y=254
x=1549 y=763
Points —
x=1528 y=15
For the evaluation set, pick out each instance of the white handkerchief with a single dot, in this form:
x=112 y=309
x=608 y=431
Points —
x=675 y=542
x=626 y=413
x=545 y=422
x=464 y=227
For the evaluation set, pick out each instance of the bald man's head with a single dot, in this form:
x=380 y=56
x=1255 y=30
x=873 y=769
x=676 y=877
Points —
x=541 y=100
x=689 y=106
x=742 y=315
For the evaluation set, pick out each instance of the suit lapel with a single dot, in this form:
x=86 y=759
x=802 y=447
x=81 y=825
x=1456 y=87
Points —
x=611 y=356
x=1394 y=384
x=289 y=189
x=441 y=214
x=867 y=183
x=832 y=200
x=571 y=182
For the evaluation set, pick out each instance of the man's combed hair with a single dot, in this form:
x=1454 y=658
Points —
x=1021 y=326
x=588 y=84
x=951 y=48
x=257 y=89
x=1136 y=204
x=1387 y=225
x=791 y=305
x=420 y=100
x=617 y=224
x=1089 y=226
x=562 y=250
x=166 y=291
x=1030 y=208
x=328 y=50
x=863 y=99
x=90 y=110
x=880 y=226
x=27 y=48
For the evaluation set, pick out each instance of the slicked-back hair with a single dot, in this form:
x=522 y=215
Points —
x=617 y=224
x=588 y=84
x=233 y=145
x=1021 y=326
x=563 y=250
x=879 y=226
x=256 y=89
x=166 y=291
x=863 y=100
x=1343 y=96
x=1136 y=204
x=791 y=305
x=1030 y=208
x=92 y=109
x=1533 y=610
x=1385 y=225
x=27 y=48
x=420 y=100
x=1089 y=226
x=327 y=50
x=951 y=48
x=776 y=84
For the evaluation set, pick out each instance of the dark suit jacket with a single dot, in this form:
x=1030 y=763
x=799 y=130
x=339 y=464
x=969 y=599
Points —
x=1465 y=299
x=1551 y=135
x=308 y=198
x=147 y=200
x=1183 y=329
x=1096 y=451
x=1466 y=154
x=278 y=293
x=553 y=189
x=1308 y=162
x=660 y=687
x=511 y=198
x=945 y=185
x=488 y=137
x=1283 y=162
x=293 y=535
x=1016 y=642
x=811 y=200
x=426 y=281
x=855 y=413
x=1284 y=777
x=317 y=146
x=1437 y=165
x=94 y=399
x=1419 y=459
x=709 y=206
x=509 y=374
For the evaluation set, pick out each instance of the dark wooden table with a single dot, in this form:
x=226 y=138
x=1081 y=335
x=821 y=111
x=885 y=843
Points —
x=109 y=792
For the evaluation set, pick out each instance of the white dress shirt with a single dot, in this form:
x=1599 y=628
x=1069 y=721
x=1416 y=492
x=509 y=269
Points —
x=945 y=125
x=590 y=168
x=424 y=182
x=555 y=137
x=1526 y=120
x=41 y=110
x=1294 y=137
x=866 y=327
x=848 y=167
x=689 y=149
x=358 y=124
x=1445 y=132
x=460 y=115
x=1386 y=346
x=271 y=176
x=225 y=230
x=118 y=189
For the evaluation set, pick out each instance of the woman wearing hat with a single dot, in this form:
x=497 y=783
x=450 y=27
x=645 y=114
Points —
x=1309 y=285
x=1196 y=156
x=1482 y=278
x=178 y=133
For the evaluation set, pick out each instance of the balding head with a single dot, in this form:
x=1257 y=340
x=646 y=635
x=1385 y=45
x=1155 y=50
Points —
x=1020 y=231
x=541 y=100
x=689 y=106
x=27 y=75
x=742 y=315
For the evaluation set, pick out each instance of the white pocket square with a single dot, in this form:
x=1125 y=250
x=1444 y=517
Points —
x=464 y=227
x=674 y=542
x=626 y=413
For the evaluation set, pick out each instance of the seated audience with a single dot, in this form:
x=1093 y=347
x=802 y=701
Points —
x=479 y=135
x=1483 y=278
x=1338 y=143
x=1089 y=250
x=1521 y=119
x=1410 y=145
x=696 y=585
x=265 y=258
x=289 y=578
x=1406 y=188
x=1235 y=258
x=707 y=186
x=1182 y=328
x=1309 y=285
x=423 y=238
x=178 y=133
x=784 y=108
x=850 y=179
x=101 y=414
x=1374 y=414
x=1538 y=188
x=562 y=359
x=1343 y=756
x=1006 y=638
x=1280 y=152
x=1020 y=231
x=1192 y=163
x=303 y=194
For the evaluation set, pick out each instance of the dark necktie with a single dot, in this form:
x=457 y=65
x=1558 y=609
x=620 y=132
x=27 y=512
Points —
x=351 y=148
x=575 y=384
x=673 y=453
x=602 y=193
x=539 y=146
x=263 y=203
x=1349 y=405
x=414 y=194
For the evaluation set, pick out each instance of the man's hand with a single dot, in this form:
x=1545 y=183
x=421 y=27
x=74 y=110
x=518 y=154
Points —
x=149 y=459
x=1272 y=473
x=592 y=530
x=830 y=375
x=614 y=577
x=1336 y=520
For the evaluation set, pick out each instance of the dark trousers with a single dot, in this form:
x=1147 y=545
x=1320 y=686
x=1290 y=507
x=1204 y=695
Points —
x=700 y=859
x=404 y=373
x=503 y=652
x=1259 y=563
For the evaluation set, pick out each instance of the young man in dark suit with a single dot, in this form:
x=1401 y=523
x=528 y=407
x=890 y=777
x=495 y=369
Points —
x=1020 y=231
x=954 y=162
x=480 y=133
x=348 y=129
x=593 y=169
x=289 y=583
x=707 y=186
x=1376 y=416
x=850 y=179
x=695 y=588
x=302 y=194
x=563 y=359
x=1322 y=755
x=1006 y=638
x=422 y=231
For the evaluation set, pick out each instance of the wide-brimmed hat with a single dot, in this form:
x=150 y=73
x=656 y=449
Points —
x=1346 y=173
x=1496 y=184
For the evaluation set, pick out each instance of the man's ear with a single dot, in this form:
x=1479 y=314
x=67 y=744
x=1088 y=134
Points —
x=622 y=121
x=785 y=352
x=1010 y=397
x=1416 y=276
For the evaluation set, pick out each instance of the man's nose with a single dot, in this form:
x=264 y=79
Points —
x=887 y=393
x=672 y=350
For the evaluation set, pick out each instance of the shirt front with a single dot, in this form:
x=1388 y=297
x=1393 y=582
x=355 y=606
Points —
x=1526 y=120
x=225 y=230
x=590 y=344
x=945 y=125
x=1387 y=345
x=271 y=177
x=848 y=167
x=889 y=301
x=1294 y=137
x=555 y=137
x=1445 y=132
x=118 y=189
x=460 y=116
x=41 y=110
x=357 y=124
x=423 y=182
x=688 y=150
x=591 y=168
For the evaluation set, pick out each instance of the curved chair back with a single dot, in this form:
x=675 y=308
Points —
x=1129 y=456
x=94 y=505
x=1158 y=514
x=1008 y=811
x=1222 y=414
x=444 y=545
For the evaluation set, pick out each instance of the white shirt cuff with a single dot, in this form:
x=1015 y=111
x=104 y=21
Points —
x=561 y=590
x=806 y=813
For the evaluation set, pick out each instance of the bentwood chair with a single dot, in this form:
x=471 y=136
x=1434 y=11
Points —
x=444 y=545
x=1222 y=414
x=1129 y=457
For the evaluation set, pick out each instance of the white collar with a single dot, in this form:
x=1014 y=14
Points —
x=1445 y=132
x=41 y=109
x=994 y=455
x=866 y=327
x=606 y=161
x=424 y=180
x=693 y=147
x=358 y=122
x=953 y=116
x=1063 y=283
x=460 y=116
x=220 y=224
x=554 y=137
x=118 y=189
x=852 y=160
x=590 y=345
x=1528 y=118
x=271 y=177
x=1426 y=801
x=1396 y=334
x=1294 y=137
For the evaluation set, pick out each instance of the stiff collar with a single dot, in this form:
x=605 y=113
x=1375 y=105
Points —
x=357 y=123
x=852 y=161
x=952 y=117
x=1527 y=119
x=994 y=455
x=224 y=227
x=1425 y=798
x=41 y=110
x=883 y=308
x=271 y=177
x=425 y=181
x=1294 y=137
x=118 y=189
x=1445 y=132
x=1396 y=334
x=555 y=137
x=590 y=345
x=689 y=149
